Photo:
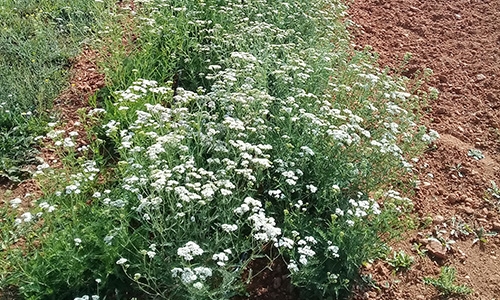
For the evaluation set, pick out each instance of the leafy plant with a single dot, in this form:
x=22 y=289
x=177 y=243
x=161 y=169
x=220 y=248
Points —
x=476 y=154
x=445 y=283
x=420 y=251
x=494 y=190
x=401 y=260
x=481 y=235
x=456 y=169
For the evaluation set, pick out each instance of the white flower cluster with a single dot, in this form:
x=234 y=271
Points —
x=222 y=257
x=188 y=275
x=189 y=251
x=86 y=297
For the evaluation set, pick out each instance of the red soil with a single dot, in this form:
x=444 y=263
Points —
x=460 y=42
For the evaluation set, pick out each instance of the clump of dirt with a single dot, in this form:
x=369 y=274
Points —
x=271 y=280
x=460 y=42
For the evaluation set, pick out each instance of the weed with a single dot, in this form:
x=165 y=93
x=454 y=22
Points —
x=445 y=283
x=422 y=252
x=401 y=260
x=476 y=154
x=459 y=228
x=481 y=235
x=494 y=195
x=456 y=169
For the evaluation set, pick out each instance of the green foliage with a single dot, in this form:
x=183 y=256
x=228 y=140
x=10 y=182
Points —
x=257 y=132
x=445 y=283
x=37 y=38
x=400 y=260
x=17 y=133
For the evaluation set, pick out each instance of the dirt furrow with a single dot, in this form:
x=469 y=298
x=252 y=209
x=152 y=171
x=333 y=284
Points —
x=460 y=42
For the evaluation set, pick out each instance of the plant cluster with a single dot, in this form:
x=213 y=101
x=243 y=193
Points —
x=445 y=283
x=401 y=260
x=37 y=39
x=258 y=131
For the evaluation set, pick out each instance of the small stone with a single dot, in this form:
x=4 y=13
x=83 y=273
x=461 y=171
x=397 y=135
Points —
x=480 y=77
x=468 y=210
x=438 y=219
x=382 y=270
x=436 y=249
x=496 y=226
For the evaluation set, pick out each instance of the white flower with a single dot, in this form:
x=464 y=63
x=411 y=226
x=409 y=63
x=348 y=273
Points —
x=14 y=203
x=198 y=285
x=292 y=266
x=220 y=258
x=203 y=272
x=311 y=239
x=27 y=217
x=190 y=250
x=276 y=194
x=284 y=242
x=229 y=228
x=334 y=251
x=307 y=150
x=121 y=261
x=68 y=142
x=312 y=188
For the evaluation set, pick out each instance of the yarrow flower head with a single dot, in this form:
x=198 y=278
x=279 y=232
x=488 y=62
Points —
x=189 y=251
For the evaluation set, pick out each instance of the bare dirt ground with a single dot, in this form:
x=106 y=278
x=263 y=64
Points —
x=460 y=41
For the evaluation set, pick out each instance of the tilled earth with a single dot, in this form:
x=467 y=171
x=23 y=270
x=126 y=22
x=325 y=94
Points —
x=460 y=41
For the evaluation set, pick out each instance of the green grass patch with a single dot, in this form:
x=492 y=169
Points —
x=37 y=39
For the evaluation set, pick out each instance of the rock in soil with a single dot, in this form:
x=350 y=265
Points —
x=437 y=249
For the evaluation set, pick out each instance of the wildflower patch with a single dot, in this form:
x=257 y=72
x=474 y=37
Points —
x=278 y=135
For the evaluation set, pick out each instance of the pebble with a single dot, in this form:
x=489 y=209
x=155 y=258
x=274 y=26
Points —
x=496 y=226
x=436 y=249
x=468 y=210
x=438 y=219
